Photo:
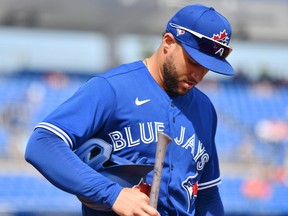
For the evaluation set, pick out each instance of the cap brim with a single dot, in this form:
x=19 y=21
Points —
x=127 y=175
x=216 y=65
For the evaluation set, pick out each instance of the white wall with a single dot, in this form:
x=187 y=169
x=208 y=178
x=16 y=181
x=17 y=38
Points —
x=69 y=50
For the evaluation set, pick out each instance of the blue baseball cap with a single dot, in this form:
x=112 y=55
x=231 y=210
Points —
x=205 y=35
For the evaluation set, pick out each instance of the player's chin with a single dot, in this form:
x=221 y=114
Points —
x=184 y=89
x=178 y=91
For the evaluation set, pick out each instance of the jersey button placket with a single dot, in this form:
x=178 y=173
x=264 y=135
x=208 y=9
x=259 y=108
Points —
x=173 y=117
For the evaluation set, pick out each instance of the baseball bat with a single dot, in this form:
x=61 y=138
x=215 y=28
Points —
x=163 y=141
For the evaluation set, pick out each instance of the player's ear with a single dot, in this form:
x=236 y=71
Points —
x=168 y=40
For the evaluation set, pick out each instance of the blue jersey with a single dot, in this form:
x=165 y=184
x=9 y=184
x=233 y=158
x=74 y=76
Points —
x=126 y=107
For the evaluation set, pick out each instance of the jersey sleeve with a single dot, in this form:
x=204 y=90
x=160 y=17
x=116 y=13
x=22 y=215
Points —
x=209 y=203
x=82 y=115
x=211 y=173
x=57 y=162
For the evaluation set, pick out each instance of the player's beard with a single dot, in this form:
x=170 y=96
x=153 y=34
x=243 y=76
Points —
x=170 y=77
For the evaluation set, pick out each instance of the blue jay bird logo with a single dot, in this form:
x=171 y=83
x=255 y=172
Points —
x=191 y=187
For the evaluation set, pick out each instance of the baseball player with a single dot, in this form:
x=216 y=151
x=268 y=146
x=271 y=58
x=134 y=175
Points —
x=127 y=106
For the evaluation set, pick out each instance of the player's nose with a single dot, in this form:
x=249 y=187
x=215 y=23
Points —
x=198 y=73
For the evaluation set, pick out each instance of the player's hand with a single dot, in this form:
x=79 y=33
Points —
x=132 y=202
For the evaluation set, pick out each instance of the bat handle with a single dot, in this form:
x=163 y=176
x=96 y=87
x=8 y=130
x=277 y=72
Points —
x=163 y=141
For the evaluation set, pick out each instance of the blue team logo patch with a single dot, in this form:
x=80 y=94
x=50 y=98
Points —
x=191 y=187
x=180 y=32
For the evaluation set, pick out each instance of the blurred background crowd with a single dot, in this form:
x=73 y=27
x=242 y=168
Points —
x=49 y=48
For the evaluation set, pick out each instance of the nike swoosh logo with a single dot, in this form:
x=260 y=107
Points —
x=141 y=102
